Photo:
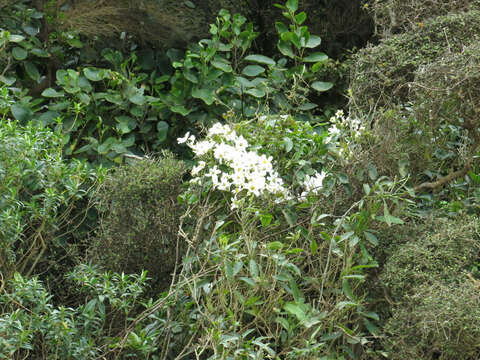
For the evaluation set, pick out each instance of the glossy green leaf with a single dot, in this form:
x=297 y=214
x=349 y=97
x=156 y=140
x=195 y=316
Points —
x=316 y=57
x=205 y=94
x=222 y=64
x=313 y=41
x=322 y=86
x=285 y=48
x=125 y=124
x=31 y=70
x=15 y=38
x=180 y=109
x=253 y=70
x=260 y=59
x=162 y=128
x=301 y=17
x=19 y=53
x=255 y=92
x=22 y=112
x=52 y=93
x=40 y=53
x=292 y=5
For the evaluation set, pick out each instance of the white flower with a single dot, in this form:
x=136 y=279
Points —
x=314 y=183
x=198 y=168
x=202 y=147
x=186 y=139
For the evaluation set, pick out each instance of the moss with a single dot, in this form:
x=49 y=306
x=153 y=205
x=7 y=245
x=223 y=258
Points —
x=139 y=218
x=381 y=74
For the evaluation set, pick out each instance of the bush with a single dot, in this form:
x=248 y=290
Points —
x=440 y=253
x=395 y=16
x=140 y=217
x=381 y=74
x=40 y=196
x=438 y=321
x=33 y=327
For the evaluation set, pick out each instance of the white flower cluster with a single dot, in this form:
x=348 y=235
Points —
x=247 y=171
x=353 y=127
x=313 y=184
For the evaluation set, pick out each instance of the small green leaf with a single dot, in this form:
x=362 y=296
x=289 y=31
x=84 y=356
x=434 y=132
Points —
x=260 y=59
x=253 y=269
x=292 y=5
x=372 y=172
x=19 y=53
x=222 y=64
x=189 y=4
x=7 y=80
x=307 y=106
x=253 y=70
x=162 y=128
x=313 y=41
x=180 y=109
x=21 y=112
x=274 y=245
x=281 y=28
x=255 y=92
x=16 y=38
x=316 y=57
x=285 y=48
x=301 y=17
x=205 y=94
x=75 y=43
x=287 y=144
x=93 y=74
x=52 y=93
x=40 y=53
x=313 y=247
x=31 y=70
x=372 y=239
x=295 y=310
x=125 y=124
x=266 y=219
x=322 y=86
x=347 y=290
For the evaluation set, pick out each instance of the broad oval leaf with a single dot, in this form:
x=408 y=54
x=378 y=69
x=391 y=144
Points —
x=260 y=59
x=32 y=70
x=253 y=70
x=52 y=93
x=205 y=94
x=255 y=92
x=21 y=112
x=222 y=64
x=316 y=57
x=313 y=41
x=162 y=128
x=322 y=86
x=19 y=53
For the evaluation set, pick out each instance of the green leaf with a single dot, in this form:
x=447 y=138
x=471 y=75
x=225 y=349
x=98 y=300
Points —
x=295 y=310
x=180 y=109
x=114 y=98
x=372 y=239
x=274 y=245
x=313 y=41
x=93 y=74
x=75 y=43
x=371 y=328
x=253 y=70
x=347 y=290
x=287 y=144
x=266 y=219
x=292 y=5
x=205 y=94
x=255 y=92
x=281 y=28
x=322 y=86
x=125 y=124
x=52 y=93
x=301 y=17
x=31 y=70
x=138 y=98
x=189 y=4
x=7 y=80
x=316 y=57
x=253 y=269
x=16 y=38
x=285 y=48
x=21 y=112
x=372 y=172
x=19 y=53
x=162 y=128
x=313 y=247
x=260 y=59
x=40 y=53
x=307 y=106
x=222 y=64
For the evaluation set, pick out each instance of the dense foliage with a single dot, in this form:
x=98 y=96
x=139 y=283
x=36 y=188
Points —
x=209 y=202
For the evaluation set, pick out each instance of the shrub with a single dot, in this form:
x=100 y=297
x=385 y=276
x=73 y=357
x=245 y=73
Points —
x=381 y=74
x=441 y=252
x=395 y=16
x=140 y=217
x=33 y=327
x=40 y=196
x=438 y=321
